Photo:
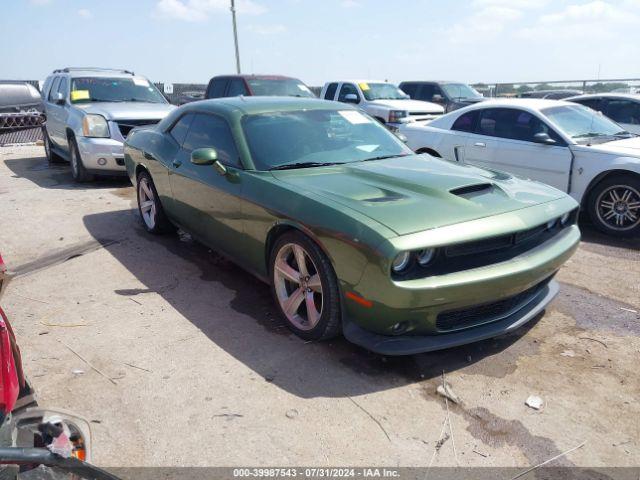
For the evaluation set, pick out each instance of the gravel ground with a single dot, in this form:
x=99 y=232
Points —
x=202 y=364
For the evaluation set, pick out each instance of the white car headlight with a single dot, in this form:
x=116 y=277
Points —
x=425 y=256
x=401 y=262
x=95 y=126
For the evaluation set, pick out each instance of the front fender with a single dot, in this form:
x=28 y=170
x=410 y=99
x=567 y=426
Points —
x=589 y=171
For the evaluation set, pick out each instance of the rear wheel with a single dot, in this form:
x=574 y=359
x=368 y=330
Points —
x=150 y=208
x=305 y=288
x=614 y=205
x=78 y=171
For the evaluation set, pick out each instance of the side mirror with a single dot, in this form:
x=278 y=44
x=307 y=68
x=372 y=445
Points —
x=437 y=98
x=351 y=98
x=59 y=98
x=543 y=138
x=64 y=433
x=204 y=156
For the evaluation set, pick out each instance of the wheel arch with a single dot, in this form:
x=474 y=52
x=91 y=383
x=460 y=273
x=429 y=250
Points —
x=428 y=150
x=279 y=229
x=595 y=181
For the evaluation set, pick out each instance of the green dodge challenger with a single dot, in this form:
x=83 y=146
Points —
x=401 y=253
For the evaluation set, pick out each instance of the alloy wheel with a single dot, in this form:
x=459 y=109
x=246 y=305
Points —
x=147 y=202
x=298 y=286
x=618 y=207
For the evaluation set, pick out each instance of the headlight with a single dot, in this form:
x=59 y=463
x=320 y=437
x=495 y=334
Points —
x=564 y=219
x=396 y=116
x=95 y=126
x=401 y=262
x=425 y=256
x=551 y=224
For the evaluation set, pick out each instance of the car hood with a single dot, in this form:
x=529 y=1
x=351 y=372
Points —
x=409 y=105
x=626 y=146
x=419 y=192
x=128 y=110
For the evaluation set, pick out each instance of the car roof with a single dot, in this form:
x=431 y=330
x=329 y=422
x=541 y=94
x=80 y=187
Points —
x=255 y=104
x=256 y=76
x=630 y=96
x=94 y=72
x=532 y=103
x=439 y=82
x=358 y=80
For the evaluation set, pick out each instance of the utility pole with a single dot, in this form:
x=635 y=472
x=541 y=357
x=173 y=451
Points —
x=235 y=34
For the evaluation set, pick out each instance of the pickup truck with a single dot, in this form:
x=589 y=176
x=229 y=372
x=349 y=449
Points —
x=383 y=101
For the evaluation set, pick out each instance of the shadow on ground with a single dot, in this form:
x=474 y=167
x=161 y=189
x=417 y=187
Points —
x=58 y=175
x=235 y=311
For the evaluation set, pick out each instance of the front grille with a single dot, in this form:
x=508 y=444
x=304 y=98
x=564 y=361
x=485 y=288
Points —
x=125 y=126
x=415 y=114
x=488 y=312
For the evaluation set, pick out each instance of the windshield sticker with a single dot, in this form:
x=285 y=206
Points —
x=354 y=117
x=141 y=82
x=364 y=86
x=303 y=88
x=367 y=148
x=80 y=95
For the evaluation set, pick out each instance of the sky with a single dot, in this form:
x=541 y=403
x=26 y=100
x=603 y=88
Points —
x=326 y=40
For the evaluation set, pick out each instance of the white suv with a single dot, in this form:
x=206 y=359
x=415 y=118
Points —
x=383 y=101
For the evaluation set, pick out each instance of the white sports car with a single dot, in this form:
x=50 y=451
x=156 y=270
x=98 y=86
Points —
x=563 y=144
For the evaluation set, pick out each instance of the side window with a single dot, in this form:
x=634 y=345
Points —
x=466 y=122
x=593 y=103
x=62 y=88
x=624 y=111
x=330 y=94
x=181 y=127
x=54 y=89
x=217 y=87
x=45 y=88
x=212 y=131
x=425 y=92
x=236 y=87
x=346 y=89
x=409 y=89
x=513 y=124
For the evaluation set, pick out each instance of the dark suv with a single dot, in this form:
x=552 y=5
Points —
x=451 y=95
x=259 y=85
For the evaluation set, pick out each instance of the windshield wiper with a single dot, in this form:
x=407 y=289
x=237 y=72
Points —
x=383 y=157
x=290 y=166
x=590 y=134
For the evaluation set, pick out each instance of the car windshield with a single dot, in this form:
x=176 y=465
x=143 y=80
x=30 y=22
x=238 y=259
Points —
x=583 y=124
x=460 y=90
x=382 y=91
x=309 y=138
x=118 y=89
x=287 y=87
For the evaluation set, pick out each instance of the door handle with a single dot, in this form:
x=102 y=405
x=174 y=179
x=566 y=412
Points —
x=480 y=144
x=176 y=163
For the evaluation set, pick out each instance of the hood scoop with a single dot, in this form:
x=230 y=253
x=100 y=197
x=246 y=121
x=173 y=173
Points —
x=471 y=191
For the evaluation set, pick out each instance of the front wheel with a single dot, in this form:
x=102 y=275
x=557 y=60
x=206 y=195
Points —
x=52 y=156
x=150 y=208
x=614 y=205
x=78 y=172
x=305 y=288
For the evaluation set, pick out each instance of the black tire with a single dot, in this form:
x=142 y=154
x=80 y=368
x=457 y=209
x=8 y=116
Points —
x=157 y=222
x=329 y=324
x=52 y=157
x=78 y=172
x=605 y=211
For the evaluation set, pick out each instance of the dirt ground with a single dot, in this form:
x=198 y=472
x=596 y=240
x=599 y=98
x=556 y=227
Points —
x=201 y=363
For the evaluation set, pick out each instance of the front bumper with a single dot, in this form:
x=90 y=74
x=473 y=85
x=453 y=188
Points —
x=102 y=155
x=412 y=344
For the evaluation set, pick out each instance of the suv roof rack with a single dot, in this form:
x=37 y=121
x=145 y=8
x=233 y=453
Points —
x=95 y=69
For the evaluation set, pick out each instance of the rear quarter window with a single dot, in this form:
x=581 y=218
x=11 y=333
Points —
x=466 y=122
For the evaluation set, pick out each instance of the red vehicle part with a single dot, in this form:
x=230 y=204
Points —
x=9 y=371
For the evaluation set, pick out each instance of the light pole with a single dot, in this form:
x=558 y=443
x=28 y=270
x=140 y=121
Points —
x=235 y=34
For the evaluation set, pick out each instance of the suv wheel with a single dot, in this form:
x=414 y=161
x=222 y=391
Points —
x=78 y=171
x=614 y=205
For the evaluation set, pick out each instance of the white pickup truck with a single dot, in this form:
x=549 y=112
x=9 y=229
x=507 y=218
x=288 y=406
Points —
x=383 y=101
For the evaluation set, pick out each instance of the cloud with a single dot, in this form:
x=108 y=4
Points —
x=597 y=10
x=486 y=22
x=267 y=29
x=514 y=4
x=200 y=10
x=39 y=2
x=84 y=13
